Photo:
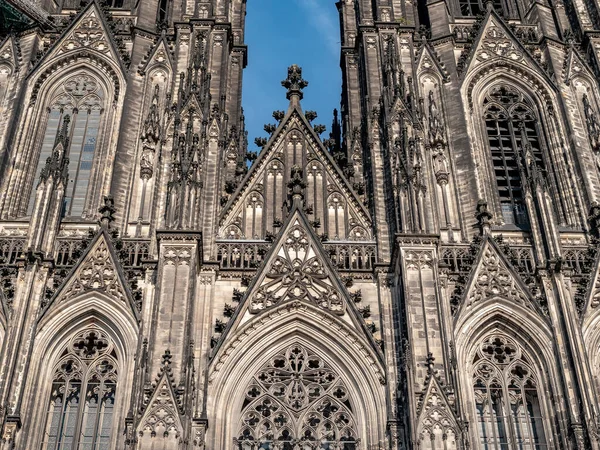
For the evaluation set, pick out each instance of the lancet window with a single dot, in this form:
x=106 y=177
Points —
x=81 y=98
x=297 y=401
x=513 y=138
x=82 y=397
x=507 y=397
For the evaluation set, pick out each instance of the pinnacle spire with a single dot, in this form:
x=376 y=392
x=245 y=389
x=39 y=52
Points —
x=294 y=83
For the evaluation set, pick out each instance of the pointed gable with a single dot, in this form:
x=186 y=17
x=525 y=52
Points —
x=435 y=411
x=575 y=66
x=89 y=32
x=494 y=278
x=496 y=41
x=427 y=61
x=161 y=413
x=159 y=54
x=259 y=200
x=297 y=270
x=98 y=270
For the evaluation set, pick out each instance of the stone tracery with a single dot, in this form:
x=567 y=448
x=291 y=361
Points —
x=506 y=387
x=297 y=273
x=297 y=399
x=82 y=398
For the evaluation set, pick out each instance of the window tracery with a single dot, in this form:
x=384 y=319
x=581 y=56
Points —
x=81 y=407
x=513 y=138
x=297 y=401
x=507 y=397
x=81 y=99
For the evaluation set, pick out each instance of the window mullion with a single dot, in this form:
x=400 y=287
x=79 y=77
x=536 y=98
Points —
x=80 y=413
x=508 y=415
x=99 y=413
x=63 y=413
x=516 y=155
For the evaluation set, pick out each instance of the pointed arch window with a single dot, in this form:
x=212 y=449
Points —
x=82 y=99
x=507 y=397
x=513 y=138
x=82 y=398
x=297 y=401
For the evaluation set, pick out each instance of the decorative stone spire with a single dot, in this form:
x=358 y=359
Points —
x=437 y=135
x=294 y=83
x=484 y=216
x=107 y=211
x=593 y=126
x=297 y=184
x=150 y=138
x=57 y=165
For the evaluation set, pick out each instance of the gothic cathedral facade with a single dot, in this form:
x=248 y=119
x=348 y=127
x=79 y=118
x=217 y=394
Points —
x=427 y=276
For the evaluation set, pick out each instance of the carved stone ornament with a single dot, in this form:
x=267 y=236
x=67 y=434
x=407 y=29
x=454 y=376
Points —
x=496 y=43
x=88 y=33
x=297 y=273
x=436 y=414
x=297 y=399
x=96 y=272
x=162 y=417
x=494 y=280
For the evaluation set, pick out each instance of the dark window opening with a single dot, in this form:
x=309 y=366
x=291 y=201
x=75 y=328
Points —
x=513 y=139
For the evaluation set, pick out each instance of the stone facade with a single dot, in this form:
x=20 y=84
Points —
x=428 y=277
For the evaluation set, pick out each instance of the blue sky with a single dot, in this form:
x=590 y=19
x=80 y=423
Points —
x=280 y=33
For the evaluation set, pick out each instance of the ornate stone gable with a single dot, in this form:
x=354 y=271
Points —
x=331 y=201
x=88 y=33
x=159 y=54
x=297 y=270
x=161 y=416
x=428 y=61
x=297 y=273
x=494 y=278
x=496 y=41
x=574 y=66
x=98 y=270
x=436 y=413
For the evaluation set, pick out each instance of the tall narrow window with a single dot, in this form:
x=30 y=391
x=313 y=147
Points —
x=80 y=412
x=512 y=132
x=163 y=12
x=81 y=98
x=509 y=413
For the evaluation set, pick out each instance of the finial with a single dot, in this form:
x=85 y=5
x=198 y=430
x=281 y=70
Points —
x=294 y=83
x=297 y=185
x=483 y=217
x=107 y=211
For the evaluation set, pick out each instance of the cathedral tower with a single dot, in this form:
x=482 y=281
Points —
x=426 y=278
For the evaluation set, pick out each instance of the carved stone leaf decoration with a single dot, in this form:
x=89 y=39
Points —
x=494 y=280
x=297 y=273
x=96 y=272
